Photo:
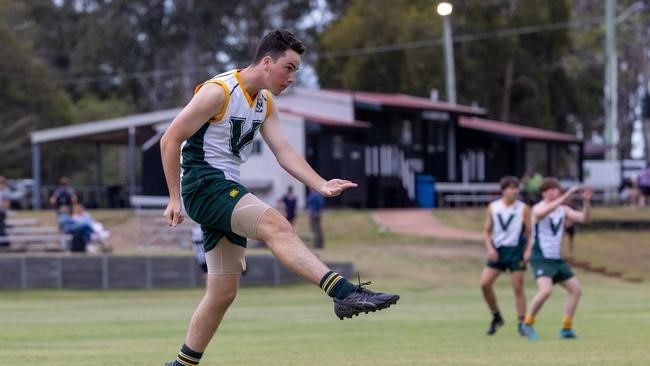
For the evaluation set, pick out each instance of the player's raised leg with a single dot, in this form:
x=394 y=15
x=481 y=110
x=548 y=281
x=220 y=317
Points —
x=349 y=299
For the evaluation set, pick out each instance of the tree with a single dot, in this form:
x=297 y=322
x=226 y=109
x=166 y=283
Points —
x=144 y=54
x=29 y=100
x=516 y=77
x=154 y=52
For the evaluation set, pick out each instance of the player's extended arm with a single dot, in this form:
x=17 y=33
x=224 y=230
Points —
x=528 y=231
x=542 y=209
x=584 y=215
x=205 y=104
x=294 y=163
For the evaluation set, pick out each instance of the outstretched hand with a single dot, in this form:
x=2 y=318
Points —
x=334 y=187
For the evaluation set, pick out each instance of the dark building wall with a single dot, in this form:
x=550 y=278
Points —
x=153 y=176
x=427 y=140
x=501 y=152
x=338 y=153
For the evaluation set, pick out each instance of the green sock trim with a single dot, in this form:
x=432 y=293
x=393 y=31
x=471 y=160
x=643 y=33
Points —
x=336 y=286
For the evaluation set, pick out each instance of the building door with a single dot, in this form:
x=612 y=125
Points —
x=353 y=169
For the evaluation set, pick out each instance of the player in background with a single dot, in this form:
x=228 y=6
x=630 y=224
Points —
x=548 y=219
x=216 y=130
x=507 y=241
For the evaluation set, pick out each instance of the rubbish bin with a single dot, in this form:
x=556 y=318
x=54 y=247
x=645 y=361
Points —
x=425 y=190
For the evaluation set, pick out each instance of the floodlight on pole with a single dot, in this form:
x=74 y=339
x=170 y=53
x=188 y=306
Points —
x=445 y=9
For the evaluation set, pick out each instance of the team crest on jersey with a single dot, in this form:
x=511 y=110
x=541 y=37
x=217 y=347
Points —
x=259 y=106
x=234 y=192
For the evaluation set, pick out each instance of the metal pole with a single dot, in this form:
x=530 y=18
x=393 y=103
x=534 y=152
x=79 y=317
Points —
x=611 y=83
x=36 y=175
x=131 y=161
x=99 y=175
x=450 y=75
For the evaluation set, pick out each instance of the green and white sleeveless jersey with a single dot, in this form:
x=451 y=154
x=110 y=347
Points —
x=219 y=147
x=548 y=235
x=507 y=223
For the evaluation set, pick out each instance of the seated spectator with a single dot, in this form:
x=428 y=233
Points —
x=631 y=194
x=63 y=195
x=643 y=182
x=98 y=235
x=5 y=196
x=80 y=231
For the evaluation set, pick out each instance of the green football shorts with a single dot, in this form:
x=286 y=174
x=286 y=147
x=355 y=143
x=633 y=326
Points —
x=557 y=269
x=210 y=202
x=510 y=258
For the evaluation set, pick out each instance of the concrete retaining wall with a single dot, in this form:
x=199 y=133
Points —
x=134 y=272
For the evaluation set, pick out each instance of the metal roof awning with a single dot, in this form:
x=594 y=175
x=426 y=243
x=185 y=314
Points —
x=509 y=129
x=324 y=120
x=409 y=101
x=114 y=130
x=143 y=129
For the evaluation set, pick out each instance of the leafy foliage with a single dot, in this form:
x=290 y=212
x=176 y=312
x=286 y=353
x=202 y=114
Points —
x=536 y=95
x=116 y=57
x=29 y=99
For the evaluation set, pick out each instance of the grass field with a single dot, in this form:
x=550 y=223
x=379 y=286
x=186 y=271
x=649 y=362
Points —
x=440 y=319
x=295 y=326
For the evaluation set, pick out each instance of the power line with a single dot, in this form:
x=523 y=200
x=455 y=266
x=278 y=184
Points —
x=135 y=75
x=500 y=33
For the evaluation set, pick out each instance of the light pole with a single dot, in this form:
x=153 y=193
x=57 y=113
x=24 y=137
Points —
x=611 y=73
x=444 y=9
x=611 y=83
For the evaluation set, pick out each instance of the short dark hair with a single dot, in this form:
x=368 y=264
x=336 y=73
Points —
x=275 y=43
x=549 y=183
x=509 y=181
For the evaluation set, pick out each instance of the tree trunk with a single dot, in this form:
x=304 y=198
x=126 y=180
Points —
x=507 y=89
x=189 y=54
x=510 y=63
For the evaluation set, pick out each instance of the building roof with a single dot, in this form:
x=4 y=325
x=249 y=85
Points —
x=324 y=120
x=319 y=106
x=313 y=105
x=509 y=129
x=108 y=130
x=408 y=101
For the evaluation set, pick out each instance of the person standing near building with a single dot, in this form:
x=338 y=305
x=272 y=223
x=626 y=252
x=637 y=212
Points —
x=213 y=136
x=531 y=184
x=315 y=206
x=197 y=247
x=507 y=242
x=548 y=219
x=5 y=205
x=288 y=202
